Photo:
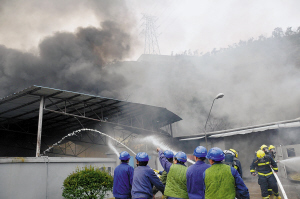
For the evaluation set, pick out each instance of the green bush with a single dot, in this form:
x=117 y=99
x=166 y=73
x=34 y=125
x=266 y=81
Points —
x=88 y=182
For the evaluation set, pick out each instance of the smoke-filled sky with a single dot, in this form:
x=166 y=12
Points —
x=76 y=45
x=181 y=25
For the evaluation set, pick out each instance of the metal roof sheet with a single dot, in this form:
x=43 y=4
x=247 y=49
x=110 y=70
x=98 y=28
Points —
x=246 y=130
x=23 y=107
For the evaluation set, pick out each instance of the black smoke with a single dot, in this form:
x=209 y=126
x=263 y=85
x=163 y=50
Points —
x=71 y=61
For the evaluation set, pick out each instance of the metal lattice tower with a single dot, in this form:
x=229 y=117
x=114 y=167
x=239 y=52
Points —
x=151 y=42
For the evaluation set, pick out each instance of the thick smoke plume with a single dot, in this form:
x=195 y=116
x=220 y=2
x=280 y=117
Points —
x=69 y=61
x=260 y=78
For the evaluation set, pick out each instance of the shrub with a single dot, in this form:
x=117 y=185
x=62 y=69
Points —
x=88 y=183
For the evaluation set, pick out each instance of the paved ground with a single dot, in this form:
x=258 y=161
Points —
x=292 y=189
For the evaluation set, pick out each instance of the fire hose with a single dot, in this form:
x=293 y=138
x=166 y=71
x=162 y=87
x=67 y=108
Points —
x=280 y=185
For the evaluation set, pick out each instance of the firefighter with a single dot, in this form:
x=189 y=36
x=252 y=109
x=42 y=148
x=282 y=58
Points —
x=163 y=178
x=176 y=181
x=231 y=159
x=266 y=178
x=272 y=151
x=144 y=178
x=123 y=175
x=194 y=182
x=265 y=149
x=221 y=180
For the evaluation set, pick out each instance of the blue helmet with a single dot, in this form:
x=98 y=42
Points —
x=200 y=152
x=169 y=154
x=181 y=156
x=137 y=155
x=142 y=157
x=124 y=155
x=215 y=154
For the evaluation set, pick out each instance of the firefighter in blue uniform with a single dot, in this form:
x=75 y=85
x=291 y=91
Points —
x=144 y=178
x=266 y=178
x=123 y=176
x=266 y=150
x=194 y=182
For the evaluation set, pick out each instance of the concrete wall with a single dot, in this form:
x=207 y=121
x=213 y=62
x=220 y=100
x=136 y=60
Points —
x=38 y=178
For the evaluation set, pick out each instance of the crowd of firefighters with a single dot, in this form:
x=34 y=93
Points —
x=220 y=179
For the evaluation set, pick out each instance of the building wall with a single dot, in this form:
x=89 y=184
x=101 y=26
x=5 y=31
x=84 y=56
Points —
x=38 y=178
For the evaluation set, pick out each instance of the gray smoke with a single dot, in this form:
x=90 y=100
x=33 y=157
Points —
x=71 y=61
x=260 y=80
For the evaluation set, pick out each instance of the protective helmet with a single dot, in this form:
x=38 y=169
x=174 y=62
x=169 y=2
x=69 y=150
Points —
x=234 y=151
x=124 y=155
x=181 y=156
x=200 y=152
x=271 y=147
x=142 y=157
x=263 y=146
x=169 y=154
x=260 y=153
x=215 y=154
x=137 y=155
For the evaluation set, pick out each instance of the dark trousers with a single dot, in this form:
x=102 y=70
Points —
x=267 y=182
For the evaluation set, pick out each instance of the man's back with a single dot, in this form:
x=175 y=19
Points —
x=219 y=182
x=143 y=180
x=123 y=176
x=176 y=182
x=194 y=182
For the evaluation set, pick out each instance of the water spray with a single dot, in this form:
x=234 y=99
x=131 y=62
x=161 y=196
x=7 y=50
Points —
x=79 y=131
x=164 y=146
x=114 y=149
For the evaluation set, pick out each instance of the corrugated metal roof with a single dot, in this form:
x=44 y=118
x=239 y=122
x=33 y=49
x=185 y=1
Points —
x=252 y=130
x=246 y=130
x=23 y=107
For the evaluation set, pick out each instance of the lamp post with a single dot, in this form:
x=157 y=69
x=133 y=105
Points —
x=220 y=95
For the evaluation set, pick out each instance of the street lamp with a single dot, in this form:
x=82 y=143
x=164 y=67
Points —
x=220 y=95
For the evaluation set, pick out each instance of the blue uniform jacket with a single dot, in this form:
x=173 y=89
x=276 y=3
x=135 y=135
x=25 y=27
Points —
x=164 y=161
x=239 y=183
x=123 y=176
x=194 y=182
x=143 y=180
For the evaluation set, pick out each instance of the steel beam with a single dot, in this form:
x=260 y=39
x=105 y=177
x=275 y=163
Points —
x=40 y=124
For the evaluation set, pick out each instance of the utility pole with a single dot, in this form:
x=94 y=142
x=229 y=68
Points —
x=151 y=42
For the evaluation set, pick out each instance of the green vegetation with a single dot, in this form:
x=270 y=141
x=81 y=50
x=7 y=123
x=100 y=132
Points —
x=88 y=183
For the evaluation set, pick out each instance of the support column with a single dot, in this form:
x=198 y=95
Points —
x=171 y=130
x=40 y=124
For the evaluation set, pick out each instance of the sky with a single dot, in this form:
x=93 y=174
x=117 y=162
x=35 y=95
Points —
x=70 y=44
x=181 y=25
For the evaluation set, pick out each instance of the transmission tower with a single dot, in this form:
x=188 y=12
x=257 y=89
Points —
x=151 y=42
